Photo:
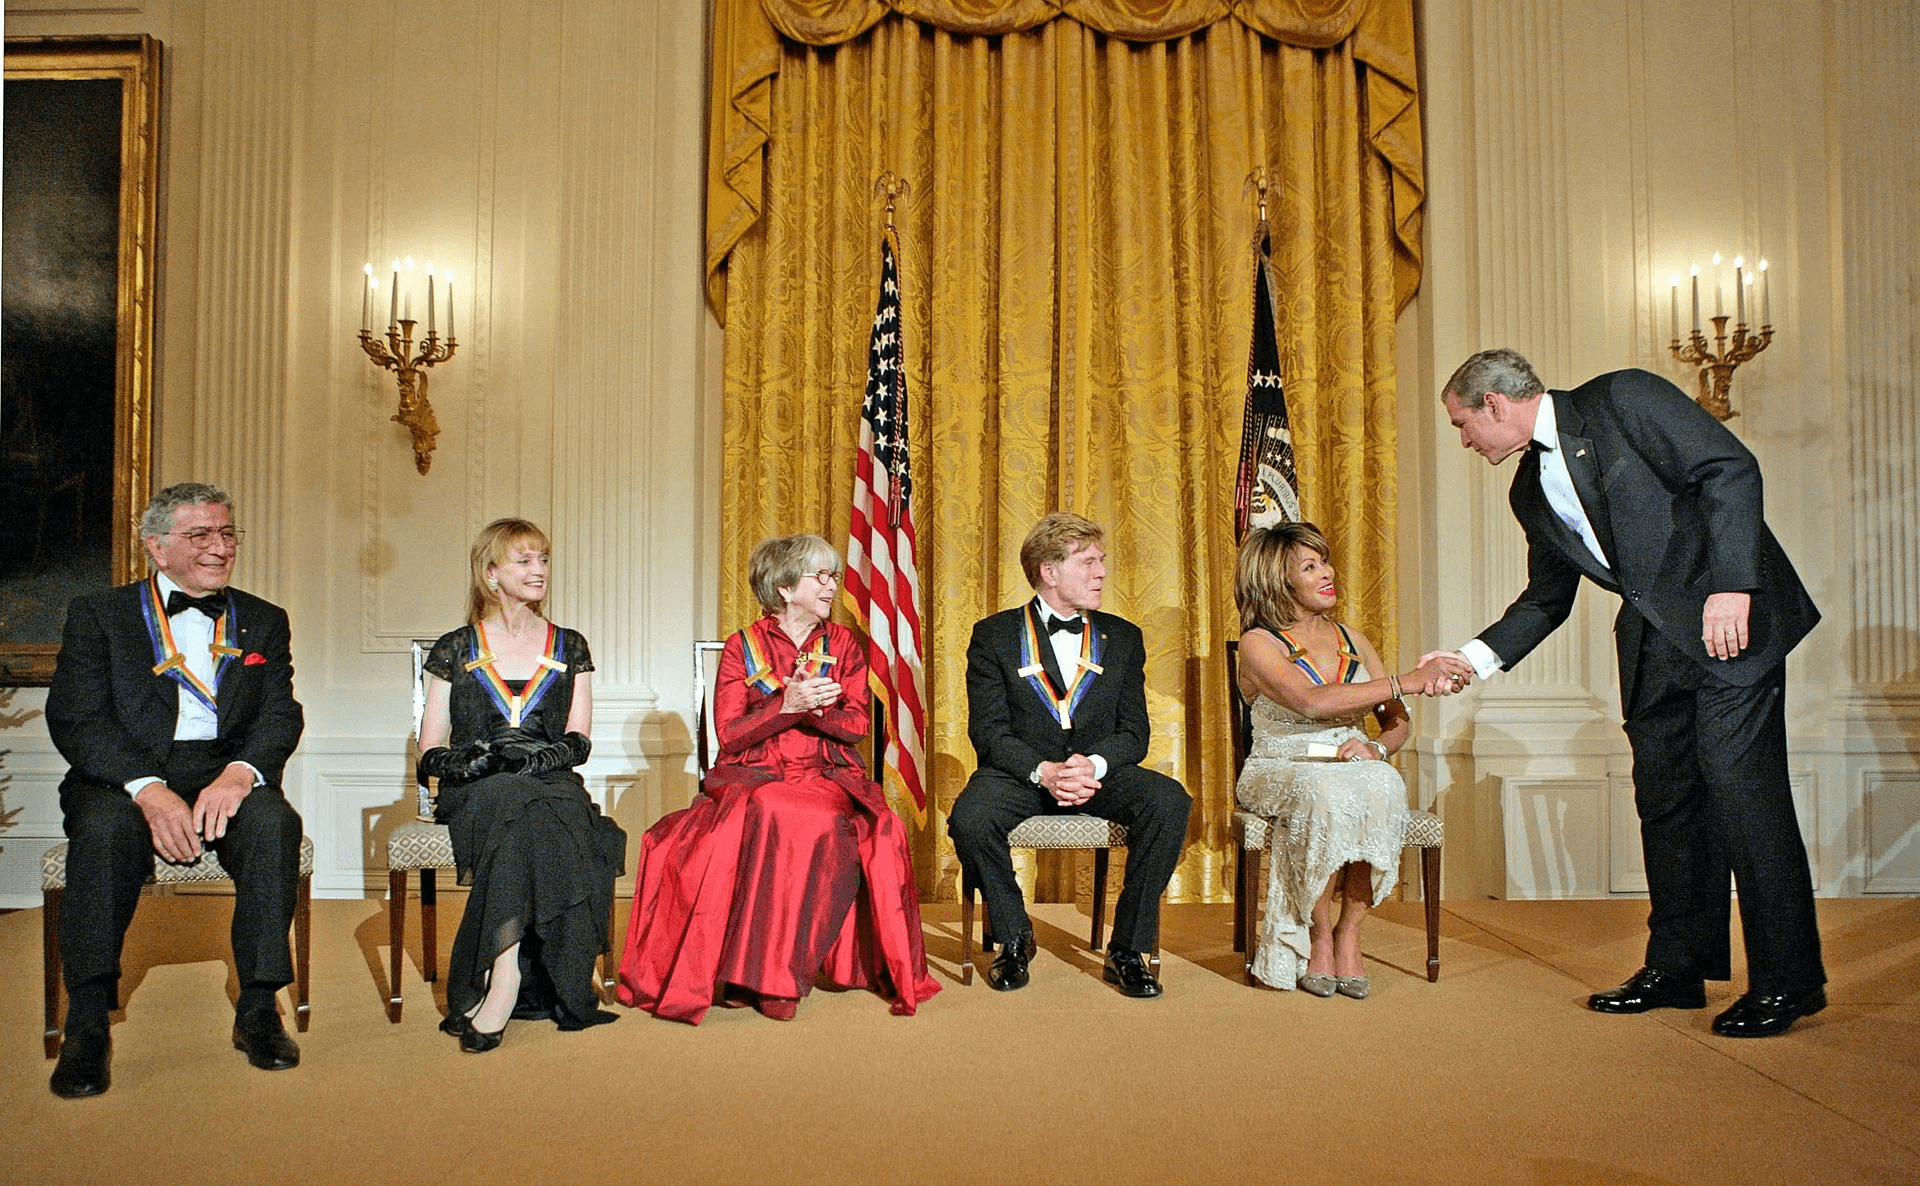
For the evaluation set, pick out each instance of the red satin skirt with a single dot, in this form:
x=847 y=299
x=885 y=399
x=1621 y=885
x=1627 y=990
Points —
x=772 y=889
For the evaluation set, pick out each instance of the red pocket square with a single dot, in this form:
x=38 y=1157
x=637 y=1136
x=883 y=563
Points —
x=254 y=659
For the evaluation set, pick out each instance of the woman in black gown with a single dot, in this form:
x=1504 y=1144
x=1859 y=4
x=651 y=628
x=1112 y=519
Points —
x=509 y=704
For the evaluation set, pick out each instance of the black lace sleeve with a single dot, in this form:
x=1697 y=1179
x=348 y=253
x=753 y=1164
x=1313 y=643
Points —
x=579 y=658
x=448 y=657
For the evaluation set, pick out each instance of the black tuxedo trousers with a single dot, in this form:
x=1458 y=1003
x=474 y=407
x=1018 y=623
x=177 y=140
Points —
x=1151 y=806
x=1711 y=786
x=110 y=855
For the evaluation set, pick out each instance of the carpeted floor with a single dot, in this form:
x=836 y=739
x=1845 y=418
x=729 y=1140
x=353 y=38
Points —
x=1495 y=1074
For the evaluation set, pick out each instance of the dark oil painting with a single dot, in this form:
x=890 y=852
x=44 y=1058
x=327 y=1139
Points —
x=60 y=273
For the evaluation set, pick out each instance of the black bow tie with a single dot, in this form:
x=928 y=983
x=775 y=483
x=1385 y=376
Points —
x=1064 y=625
x=212 y=605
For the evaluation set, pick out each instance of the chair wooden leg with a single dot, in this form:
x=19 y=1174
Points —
x=429 y=927
x=55 y=987
x=1099 y=895
x=1250 y=887
x=609 y=961
x=1430 y=890
x=303 y=953
x=966 y=931
x=396 y=939
x=1242 y=900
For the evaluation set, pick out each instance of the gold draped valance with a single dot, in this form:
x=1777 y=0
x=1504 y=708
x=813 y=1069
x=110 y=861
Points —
x=746 y=58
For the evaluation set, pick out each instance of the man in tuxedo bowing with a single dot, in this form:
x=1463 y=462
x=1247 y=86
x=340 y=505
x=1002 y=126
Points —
x=1628 y=482
x=173 y=700
x=1057 y=713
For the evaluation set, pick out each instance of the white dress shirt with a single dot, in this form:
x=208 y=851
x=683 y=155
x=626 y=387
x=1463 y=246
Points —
x=1066 y=652
x=1557 y=484
x=193 y=637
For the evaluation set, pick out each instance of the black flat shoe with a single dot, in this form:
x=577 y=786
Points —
x=1757 y=1016
x=1009 y=970
x=479 y=1041
x=1128 y=971
x=1651 y=988
x=86 y=1056
x=264 y=1040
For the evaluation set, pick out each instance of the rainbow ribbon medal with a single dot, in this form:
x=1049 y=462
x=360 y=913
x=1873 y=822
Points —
x=169 y=662
x=1060 y=702
x=1349 y=660
x=758 y=659
x=547 y=671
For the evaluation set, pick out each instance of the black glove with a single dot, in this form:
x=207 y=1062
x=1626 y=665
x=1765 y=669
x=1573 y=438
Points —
x=514 y=745
x=538 y=757
x=465 y=764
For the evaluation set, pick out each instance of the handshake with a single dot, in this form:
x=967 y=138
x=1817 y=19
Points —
x=1440 y=673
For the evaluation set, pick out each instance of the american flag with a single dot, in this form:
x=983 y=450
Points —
x=881 y=578
x=1268 y=489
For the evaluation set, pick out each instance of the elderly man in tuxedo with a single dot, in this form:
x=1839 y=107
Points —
x=1630 y=484
x=1057 y=713
x=173 y=701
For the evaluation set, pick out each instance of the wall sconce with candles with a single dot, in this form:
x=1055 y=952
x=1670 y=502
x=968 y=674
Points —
x=396 y=352
x=1717 y=365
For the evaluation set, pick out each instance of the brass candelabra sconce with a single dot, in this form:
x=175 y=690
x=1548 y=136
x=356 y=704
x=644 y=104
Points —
x=396 y=352
x=1717 y=365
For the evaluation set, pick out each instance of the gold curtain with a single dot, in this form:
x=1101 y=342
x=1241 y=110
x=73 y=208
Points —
x=1077 y=268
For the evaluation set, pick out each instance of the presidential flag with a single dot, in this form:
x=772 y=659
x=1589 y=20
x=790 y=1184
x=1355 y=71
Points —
x=1268 y=489
x=881 y=579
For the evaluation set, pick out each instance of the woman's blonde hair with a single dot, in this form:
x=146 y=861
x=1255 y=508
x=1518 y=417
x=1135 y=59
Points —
x=496 y=542
x=779 y=563
x=1260 y=586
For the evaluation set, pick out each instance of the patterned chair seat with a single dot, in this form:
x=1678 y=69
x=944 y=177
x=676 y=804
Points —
x=53 y=868
x=1425 y=831
x=1052 y=833
x=1068 y=831
x=204 y=868
x=420 y=845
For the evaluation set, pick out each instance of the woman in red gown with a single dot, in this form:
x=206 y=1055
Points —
x=790 y=867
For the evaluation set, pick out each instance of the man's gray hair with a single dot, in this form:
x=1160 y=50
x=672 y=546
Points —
x=157 y=519
x=1502 y=370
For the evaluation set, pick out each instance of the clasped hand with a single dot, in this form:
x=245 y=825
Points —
x=178 y=829
x=1071 y=782
x=809 y=695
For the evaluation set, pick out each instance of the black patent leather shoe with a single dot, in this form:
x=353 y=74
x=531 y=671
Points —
x=1128 y=971
x=1009 y=970
x=1651 y=988
x=456 y=1024
x=476 y=1041
x=1757 y=1016
x=264 y=1040
x=84 y=1069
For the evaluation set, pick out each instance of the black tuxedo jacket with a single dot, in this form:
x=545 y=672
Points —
x=1675 y=500
x=1009 y=724
x=113 y=719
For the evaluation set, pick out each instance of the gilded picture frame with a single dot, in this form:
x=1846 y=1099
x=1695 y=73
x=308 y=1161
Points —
x=80 y=291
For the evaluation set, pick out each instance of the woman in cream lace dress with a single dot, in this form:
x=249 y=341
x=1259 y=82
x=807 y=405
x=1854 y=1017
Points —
x=1339 y=819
